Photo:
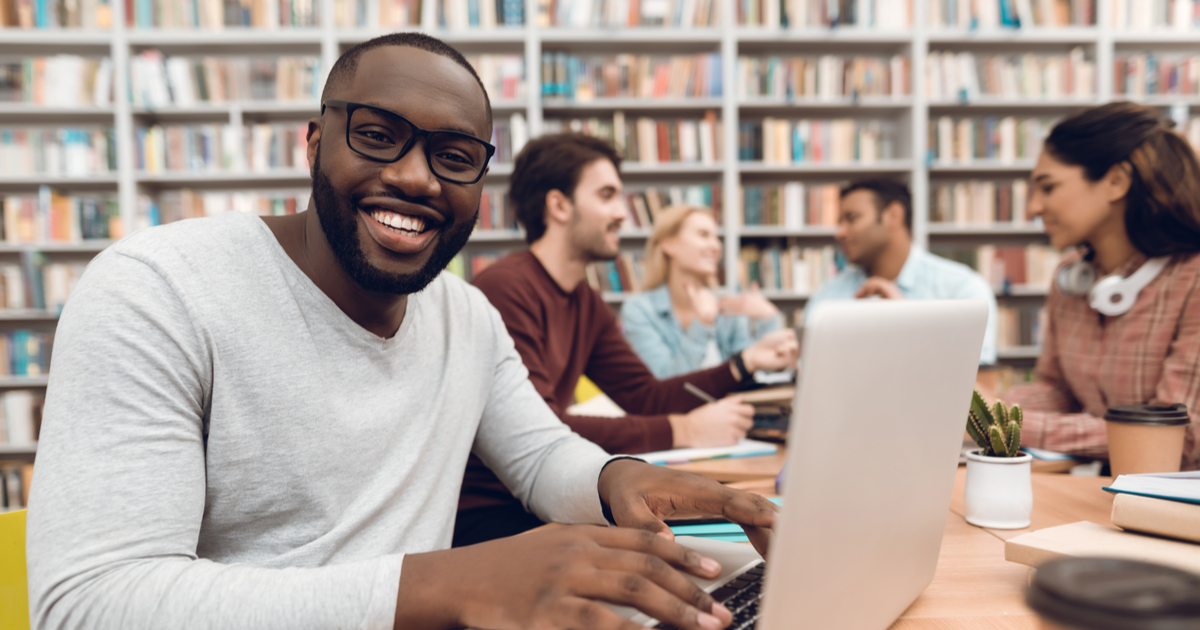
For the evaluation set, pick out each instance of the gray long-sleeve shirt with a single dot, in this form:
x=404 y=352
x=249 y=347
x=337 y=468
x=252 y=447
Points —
x=222 y=447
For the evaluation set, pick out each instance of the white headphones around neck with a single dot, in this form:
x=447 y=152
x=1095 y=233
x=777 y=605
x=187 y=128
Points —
x=1111 y=295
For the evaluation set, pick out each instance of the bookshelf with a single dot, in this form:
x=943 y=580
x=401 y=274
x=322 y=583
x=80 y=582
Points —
x=908 y=116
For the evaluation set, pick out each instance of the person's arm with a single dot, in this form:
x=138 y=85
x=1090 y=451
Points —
x=638 y=322
x=1053 y=418
x=119 y=488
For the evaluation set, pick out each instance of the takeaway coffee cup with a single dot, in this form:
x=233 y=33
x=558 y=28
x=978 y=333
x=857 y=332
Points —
x=1145 y=438
x=1113 y=594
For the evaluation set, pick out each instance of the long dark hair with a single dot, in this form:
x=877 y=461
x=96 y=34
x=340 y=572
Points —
x=1162 y=207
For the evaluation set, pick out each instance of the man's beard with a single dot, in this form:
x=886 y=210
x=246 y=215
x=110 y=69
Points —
x=338 y=213
x=593 y=245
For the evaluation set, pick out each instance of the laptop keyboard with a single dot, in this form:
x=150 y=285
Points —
x=741 y=596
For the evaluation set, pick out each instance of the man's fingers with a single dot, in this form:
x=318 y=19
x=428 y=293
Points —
x=632 y=589
x=645 y=540
x=760 y=538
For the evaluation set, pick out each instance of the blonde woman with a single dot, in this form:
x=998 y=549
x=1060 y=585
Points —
x=678 y=325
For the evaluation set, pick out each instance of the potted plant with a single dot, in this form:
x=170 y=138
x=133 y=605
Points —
x=999 y=493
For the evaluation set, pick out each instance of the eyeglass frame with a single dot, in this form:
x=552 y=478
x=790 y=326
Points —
x=418 y=132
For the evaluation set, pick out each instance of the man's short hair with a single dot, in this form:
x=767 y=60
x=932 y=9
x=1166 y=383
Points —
x=553 y=162
x=344 y=68
x=886 y=192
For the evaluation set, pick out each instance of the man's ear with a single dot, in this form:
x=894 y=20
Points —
x=314 y=139
x=892 y=215
x=558 y=207
x=1116 y=181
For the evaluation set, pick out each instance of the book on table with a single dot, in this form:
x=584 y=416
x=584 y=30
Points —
x=1181 y=486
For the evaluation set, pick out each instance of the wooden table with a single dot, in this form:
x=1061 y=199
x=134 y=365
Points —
x=974 y=588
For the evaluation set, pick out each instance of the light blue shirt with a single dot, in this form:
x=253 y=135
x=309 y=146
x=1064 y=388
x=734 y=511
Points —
x=923 y=277
x=667 y=349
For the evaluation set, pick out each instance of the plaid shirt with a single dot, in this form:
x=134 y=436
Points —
x=1090 y=362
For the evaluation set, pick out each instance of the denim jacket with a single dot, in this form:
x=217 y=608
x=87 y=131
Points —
x=667 y=349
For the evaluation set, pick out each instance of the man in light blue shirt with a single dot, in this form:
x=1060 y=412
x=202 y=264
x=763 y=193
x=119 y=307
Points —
x=875 y=233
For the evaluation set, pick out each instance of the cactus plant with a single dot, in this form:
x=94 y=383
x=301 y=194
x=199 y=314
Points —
x=997 y=430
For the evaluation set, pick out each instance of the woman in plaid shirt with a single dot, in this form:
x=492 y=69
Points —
x=1119 y=185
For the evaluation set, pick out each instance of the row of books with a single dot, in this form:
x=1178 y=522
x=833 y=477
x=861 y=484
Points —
x=624 y=13
x=824 y=77
x=215 y=14
x=38 y=285
x=432 y=14
x=1019 y=326
x=503 y=76
x=1004 y=140
x=1156 y=14
x=495 y=212
x=57 y=151
x=1007 y=266
x=52 y=216
x=469 y=263
x=213 y=147
x=777 y=141
x=89 y=14
x=652 y=140
x=643 y=206
x=1143 y=74
x=14 y=486
x=979 y=202
x=963 y=76
x=625 y=274
x=57 y=81
x=25 y=352
x=992 y=14
x=157 y=81
x=793 y=205
x=583 y=78
x=177 y=205
x=817 y=14
x=793 y=269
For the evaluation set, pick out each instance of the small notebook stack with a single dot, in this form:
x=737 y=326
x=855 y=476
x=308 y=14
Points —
x=1163 y=504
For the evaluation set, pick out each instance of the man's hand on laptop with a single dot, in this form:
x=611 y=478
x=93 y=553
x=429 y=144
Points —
x=555 y=578
x=642 y=495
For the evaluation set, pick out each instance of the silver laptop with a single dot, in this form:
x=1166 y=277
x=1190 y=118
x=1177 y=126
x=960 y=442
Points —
x=873 y=445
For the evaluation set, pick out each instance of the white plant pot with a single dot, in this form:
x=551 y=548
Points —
x=999 y=493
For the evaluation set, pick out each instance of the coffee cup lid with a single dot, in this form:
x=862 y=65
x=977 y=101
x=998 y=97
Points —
x=1163 y=415
x=1115 y=594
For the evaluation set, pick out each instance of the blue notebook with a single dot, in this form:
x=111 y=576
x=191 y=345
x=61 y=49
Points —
x=716 y=531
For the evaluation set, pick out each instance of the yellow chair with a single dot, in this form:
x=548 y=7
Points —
x=14 y=589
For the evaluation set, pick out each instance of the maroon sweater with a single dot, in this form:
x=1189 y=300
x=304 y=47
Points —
x=561 y=335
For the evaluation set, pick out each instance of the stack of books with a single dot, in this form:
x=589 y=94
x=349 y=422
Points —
x=961 y=76
x=823 y=14
x=825 y=77
x=212 y=147
x=991 y=14
x=579 y=78
x=157 y=81
x=57 y=151
x=979 y=202
x=1005 y=139
x=58 y=81
x=624 y=13
x=778 y=141
x=793 y=205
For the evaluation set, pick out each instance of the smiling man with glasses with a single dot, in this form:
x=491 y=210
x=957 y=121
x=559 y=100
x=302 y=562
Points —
x=263 y=423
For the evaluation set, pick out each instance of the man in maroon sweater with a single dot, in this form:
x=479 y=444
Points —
x=567 y=191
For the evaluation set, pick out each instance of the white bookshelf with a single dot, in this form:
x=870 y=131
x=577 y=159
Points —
x=910 y=114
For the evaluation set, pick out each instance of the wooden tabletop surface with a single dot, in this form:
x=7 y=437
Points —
x=974 y=587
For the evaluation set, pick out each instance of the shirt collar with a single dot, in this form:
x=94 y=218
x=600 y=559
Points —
x=660 y=298
x=911 y=271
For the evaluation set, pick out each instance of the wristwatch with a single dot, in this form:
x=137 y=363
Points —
x=747 y=375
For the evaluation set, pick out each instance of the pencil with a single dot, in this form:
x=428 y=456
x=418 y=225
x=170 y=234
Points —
x=699 y=393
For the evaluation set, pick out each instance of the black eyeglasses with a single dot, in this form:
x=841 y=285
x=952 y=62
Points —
x=384 y=136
